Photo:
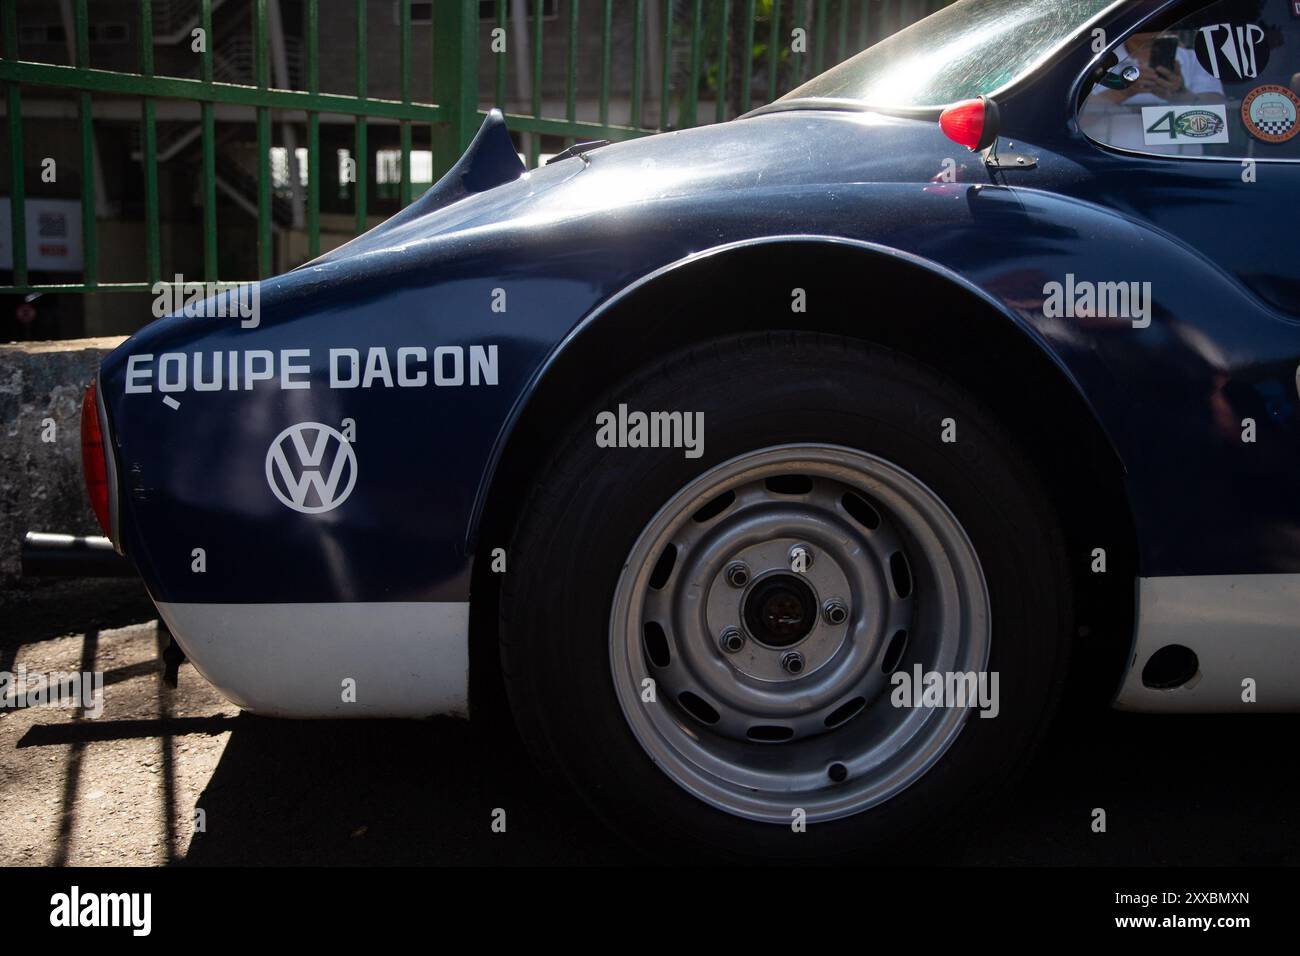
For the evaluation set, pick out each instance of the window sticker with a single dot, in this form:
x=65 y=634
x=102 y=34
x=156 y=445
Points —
x=1171 y=125
x=1232 y=52
x=1269 y=113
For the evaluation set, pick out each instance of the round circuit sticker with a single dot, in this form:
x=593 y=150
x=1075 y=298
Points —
x=1271 y=113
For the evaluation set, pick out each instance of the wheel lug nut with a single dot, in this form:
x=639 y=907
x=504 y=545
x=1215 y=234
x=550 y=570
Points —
x=738 y=574
x=792 y=661
x=835 y=611
x=801 y=558
x=731 y=640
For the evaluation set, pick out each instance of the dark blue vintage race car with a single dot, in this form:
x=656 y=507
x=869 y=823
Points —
x=788 y=473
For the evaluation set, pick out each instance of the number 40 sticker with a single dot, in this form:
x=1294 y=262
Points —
x=1171 y=126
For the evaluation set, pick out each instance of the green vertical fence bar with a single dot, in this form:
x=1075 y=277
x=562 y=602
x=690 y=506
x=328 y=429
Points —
x=665 y=92
x=535 y=139
x=634 y=111
x=209 y=151
x=404 y=130
x=720 y=113
x=314 y=168
x=606 y=27
x=864 y=25
x=455 y=57
x=261 y=73
x=693 y=78
x=773 y=49
x=149 y=151
x=500 y=97
x=89 y=239
x=571 y=70
x=819 y=38
x=747 y=58
x=17 y=185
x=363 y=167
x=842 y=39
x=797 y=59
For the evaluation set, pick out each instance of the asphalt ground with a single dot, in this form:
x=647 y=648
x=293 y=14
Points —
x=122 y=788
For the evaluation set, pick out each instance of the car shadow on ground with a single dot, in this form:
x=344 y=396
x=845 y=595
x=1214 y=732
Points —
x=1176 y=791
x=386 y=792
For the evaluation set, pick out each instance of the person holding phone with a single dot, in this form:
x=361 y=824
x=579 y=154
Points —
x=1168 y=73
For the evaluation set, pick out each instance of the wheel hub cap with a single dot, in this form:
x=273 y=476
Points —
x=799 y=716
x=780 y=610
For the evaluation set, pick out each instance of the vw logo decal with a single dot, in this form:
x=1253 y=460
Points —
x=311 y=467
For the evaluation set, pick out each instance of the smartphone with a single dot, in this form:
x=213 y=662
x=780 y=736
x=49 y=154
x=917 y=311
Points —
x=1164 y=52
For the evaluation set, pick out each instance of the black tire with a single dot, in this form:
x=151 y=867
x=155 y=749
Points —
x=589 y=506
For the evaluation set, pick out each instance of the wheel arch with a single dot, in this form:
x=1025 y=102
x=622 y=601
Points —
x=920 y=308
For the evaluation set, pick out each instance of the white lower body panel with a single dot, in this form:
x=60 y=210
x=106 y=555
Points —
x=402 y=659
x=1241 y=626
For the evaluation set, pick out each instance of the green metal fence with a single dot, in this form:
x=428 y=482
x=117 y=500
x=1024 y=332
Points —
x=739 y=50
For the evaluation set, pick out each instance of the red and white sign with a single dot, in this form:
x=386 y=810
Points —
x=53 y=235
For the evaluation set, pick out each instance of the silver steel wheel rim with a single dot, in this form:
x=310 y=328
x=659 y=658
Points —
x=839 y=757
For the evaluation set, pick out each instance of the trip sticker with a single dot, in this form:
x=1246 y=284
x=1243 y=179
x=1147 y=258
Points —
x=1269 y=113
x=1167 y=126
x=1232 y=52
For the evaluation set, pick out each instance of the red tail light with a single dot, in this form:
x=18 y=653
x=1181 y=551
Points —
x=93 y=463
x=971 y=123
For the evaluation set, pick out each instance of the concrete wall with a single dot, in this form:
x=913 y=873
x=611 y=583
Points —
x=41 y=487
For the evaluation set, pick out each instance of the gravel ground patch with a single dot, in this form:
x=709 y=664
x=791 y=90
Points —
x=119 y=788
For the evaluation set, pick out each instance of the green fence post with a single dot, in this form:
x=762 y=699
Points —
x=149 y=151
x=720 y=114
x=261 y=72
x=89 y=236
x=209 y=124
x=570 y=69
x=747 y=58
x=404 y=71
x=773 y=48
x=455 y=80
x=17 y=183
x=535 y=140
x=665 y=101
x=314 y=164
x=362 y=145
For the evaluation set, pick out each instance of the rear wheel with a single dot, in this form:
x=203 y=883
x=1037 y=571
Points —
x=718 y=652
